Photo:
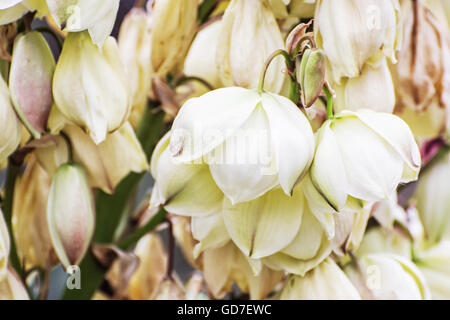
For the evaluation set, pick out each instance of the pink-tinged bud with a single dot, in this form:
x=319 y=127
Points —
x=70 y=214
x=30 y=81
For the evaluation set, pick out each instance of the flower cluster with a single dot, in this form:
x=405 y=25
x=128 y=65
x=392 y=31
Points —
x=282 y=138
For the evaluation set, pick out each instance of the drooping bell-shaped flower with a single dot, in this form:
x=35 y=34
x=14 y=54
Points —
x=135 y=51
x=89 y=85
x=353 y=33
x=251 y=141
x=363 y=155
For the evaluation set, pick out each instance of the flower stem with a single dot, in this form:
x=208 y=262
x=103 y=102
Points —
x=170 y=251
x=329 y=102
x=192 y=78
x=158 y=218
x=267 y=63
x=205 y=10
x=13 y=171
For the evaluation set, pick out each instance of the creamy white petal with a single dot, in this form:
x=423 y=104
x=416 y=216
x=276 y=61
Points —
x=12 y=14
x=308 y=239
x=373 y=90
x=265 y=225
x=373 y=168
x=397 y=133
x=187 y=189
x=102 y=29
x=326 y=282
x=205 y=122
x=328 y=171
x=281 y=261
x=217 y=274
x=239 y=166
x=5 y=4
x=292 y=138
x=210 y=231
x=319 y=207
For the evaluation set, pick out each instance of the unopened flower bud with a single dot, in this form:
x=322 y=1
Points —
x=30 y=80
x=238 y=268
x=11 y=132
x=70 y=214
x=174 y=24
x=135 y=50
x=90 y=87
x=311 y=75
x=201 y=58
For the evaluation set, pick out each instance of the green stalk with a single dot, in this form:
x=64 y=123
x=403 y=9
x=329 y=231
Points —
x=157 y=219
x=329 y=102
x=276 y=53
x=13 y=171
x=110 y=208
x=205 y=10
